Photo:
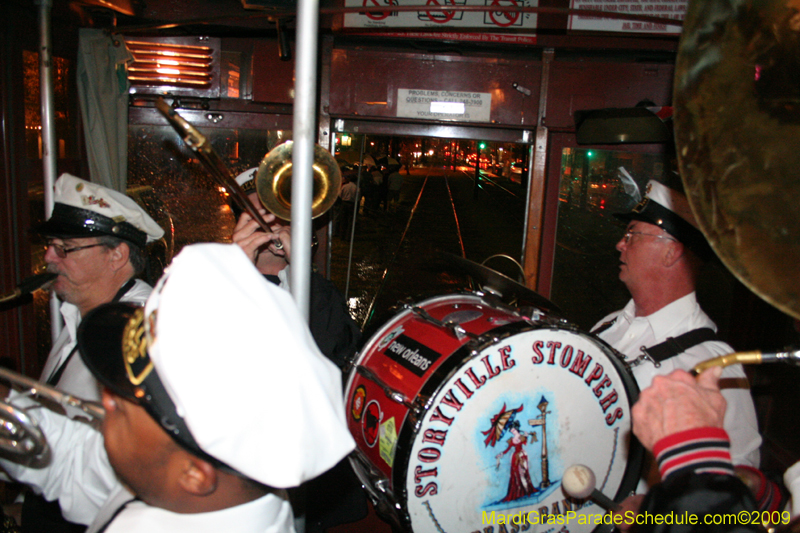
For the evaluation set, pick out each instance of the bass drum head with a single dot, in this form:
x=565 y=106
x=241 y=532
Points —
x=503 y=422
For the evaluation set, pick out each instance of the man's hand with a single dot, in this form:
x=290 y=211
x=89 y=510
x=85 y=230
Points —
x=678 y=402
x=250 y=238
x=631 y=503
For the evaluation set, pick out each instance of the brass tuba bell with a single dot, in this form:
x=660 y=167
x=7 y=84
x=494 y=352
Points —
x=274 y=181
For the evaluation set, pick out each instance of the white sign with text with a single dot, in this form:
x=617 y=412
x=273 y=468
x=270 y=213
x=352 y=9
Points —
x=465 y=106
x=666 y=9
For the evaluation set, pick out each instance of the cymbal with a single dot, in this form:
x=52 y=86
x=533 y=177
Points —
x=737 y=135
x=500 y=284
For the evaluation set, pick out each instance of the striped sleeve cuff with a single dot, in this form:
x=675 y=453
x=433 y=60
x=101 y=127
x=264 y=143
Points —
x=768 y=494
x=700 y=450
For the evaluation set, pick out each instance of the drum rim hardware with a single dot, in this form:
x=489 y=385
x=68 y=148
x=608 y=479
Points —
x=453 y=327
x=373 y=482
x=392 y=394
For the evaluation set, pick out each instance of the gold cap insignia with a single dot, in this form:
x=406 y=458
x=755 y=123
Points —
x=134 y=349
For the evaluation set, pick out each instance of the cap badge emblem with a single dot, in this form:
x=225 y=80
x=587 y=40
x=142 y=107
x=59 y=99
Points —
x=93 y=200
x=134 y=349
x=643 y=203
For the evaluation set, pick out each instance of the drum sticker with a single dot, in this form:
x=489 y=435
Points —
x=388 y=441
x=412 y=355
x=502 y=429
x=371 y=422
x=358 y=402
x=390 y=337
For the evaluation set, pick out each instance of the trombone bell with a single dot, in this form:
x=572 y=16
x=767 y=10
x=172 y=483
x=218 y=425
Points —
x=274 y=181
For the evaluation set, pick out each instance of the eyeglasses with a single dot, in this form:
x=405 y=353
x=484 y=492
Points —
x=629 y=234
x=62 y=252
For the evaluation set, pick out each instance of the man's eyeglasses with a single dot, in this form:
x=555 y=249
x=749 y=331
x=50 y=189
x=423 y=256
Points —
x=62 y=251
x=629 y=234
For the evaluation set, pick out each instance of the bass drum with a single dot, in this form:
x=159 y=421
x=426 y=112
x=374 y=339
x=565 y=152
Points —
x=466 y=415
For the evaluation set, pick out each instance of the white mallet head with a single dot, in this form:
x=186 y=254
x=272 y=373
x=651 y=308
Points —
x=578 y=481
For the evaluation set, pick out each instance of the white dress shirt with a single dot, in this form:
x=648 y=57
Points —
x=629 y=333
x=76 y=378
x=80 y=476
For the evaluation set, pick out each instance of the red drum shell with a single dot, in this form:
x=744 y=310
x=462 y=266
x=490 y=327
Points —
x=485 y=420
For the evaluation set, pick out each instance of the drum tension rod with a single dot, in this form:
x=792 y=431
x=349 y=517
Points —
x=391 y=393
x=453 y=327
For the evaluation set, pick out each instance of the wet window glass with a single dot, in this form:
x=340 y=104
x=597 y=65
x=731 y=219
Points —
x=64 y=122
x=594 y=185
x=179 y=190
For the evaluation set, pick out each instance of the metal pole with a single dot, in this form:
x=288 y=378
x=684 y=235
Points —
x=352 y=228
x=303 y=153
x=49 y=146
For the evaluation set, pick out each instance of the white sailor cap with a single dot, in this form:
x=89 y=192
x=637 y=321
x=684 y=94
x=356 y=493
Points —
x=225 y=363
x=669 y=209
x=247 y=180
x=85 y=209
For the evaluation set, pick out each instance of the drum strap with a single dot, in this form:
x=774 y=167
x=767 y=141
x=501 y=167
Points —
x=676 y=345
x=670 y=347
x=604 y=326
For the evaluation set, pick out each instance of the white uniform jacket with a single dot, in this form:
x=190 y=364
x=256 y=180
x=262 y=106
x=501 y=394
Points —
x=80 y=476
x=629 y=333
x=76 y=378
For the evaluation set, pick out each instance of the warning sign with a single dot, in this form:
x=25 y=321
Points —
x=430 y=104
x=665 y=9
x=455 y=24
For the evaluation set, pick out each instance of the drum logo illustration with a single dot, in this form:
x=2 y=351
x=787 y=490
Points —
x=505 y=429
x=501 y=430
x=390 y=337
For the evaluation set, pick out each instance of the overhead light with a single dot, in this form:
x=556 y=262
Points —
x=161 y=65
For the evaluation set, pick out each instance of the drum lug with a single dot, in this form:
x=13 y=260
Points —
x=417 y=410
x=379 y=492
x=453 y=327
x=392 y=394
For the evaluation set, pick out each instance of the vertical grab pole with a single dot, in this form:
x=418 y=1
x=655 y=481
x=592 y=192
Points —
x=303 y=153
x=49 y=146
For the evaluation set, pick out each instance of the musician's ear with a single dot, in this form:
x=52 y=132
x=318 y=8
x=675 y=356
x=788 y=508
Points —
x=120 y=256
x=197 y=477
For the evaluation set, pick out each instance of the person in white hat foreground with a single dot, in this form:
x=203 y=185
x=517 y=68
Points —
x=663 y=328
x=96 y=241
x=216 y=399
x=339 y=494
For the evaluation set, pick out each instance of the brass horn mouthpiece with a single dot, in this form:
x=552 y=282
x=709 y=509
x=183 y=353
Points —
x=29 y=285
x=274 y=181
x=754 y=357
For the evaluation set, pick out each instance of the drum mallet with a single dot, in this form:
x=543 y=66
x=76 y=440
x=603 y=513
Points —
x=579 y=482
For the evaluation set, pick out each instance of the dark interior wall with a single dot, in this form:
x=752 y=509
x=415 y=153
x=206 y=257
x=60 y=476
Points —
x=594 y=83
x=364 y=82
x=18 y=27
x=22 y=172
